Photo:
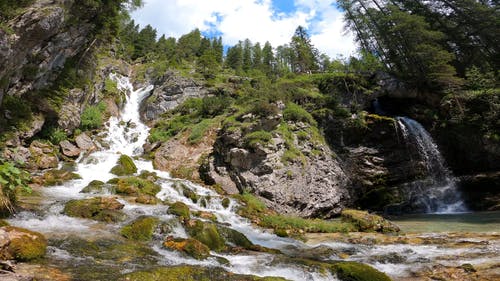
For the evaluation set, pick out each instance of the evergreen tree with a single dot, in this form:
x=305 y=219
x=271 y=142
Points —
x=247 y=55
x=145 y=42
x=305 y=55
x=234 y=57
x=257 y=56
x=188 y=45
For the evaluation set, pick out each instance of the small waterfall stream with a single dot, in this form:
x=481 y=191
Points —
x=438 y=192
x=126 y=134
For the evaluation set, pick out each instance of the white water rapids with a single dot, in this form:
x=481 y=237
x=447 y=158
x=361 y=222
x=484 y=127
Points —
x=126 y=135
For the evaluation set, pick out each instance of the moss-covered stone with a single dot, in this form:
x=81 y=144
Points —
x=135 y=186
x=4 y=223
x=190 y=246
x=179 y=209
x=146 y=199
x=225 y=202
x=355 y=271
x=55 y=177
x=235 y=237
x=99 y=208
x=206 y=233
x=192 y=273
x=368 y=222
x=141 y=229
x=125 y=166
x=94 y=186
x=24 y=245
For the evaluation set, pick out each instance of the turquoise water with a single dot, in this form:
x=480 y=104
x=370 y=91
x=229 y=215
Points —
x=459 y=222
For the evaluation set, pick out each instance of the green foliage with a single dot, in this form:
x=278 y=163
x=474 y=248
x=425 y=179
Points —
x=92 y=116
x=257 y=138
x=55 y=135
x=11 y=179
x=19 y=112
x=199 y=130
x=10 y=8
x=294 y=112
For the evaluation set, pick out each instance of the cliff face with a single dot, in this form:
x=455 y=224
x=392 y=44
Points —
x=36 y=45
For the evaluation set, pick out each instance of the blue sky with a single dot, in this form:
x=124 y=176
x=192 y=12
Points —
x=259 y=20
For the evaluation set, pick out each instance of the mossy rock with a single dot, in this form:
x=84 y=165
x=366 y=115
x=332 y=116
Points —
x=206 y=215
x=146 y=199
x=135 y=186
x=99 y=208
x=94 y=186
x=141 y=229
x=225 y=202
x=56 y=177
x=25 y=245
x=192 y=273
x=206 y=233
x=368 y=222
x=235 y=237
x=187 y=192
x=355 y=271
x=4 y=223
x=124 y=167
x=179 y=209
x=190 y=246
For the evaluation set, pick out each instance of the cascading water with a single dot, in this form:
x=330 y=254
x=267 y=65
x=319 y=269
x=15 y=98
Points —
x=438 y=192
x=125 y=135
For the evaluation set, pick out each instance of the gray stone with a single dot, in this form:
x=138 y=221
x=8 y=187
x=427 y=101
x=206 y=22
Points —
x=69 y=149
x=84 y=142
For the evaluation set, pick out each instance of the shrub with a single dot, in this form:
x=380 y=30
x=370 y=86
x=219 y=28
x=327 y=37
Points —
x=264 y=109
x=56 y=135
x=92 y=116
x=11 y=178
x=199 y=130
x=294 y=112
x=213 y=106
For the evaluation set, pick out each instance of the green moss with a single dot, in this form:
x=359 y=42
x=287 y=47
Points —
x=179 y=209
x=141 y=229
x=187 y=192
x=296 y=224
x=368 y=222
x=235 y=237
x=190 y=246
x=206 y=233
x=124 y=166
x=4 y=223
x=57 y=177
x=225 y=202
x=135 y=186
x=26 y=245
x=192 y=273
x=354 y=271
x=97 y=208
x=94 y=186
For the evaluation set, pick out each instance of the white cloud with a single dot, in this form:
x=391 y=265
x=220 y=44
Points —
x=254 y=19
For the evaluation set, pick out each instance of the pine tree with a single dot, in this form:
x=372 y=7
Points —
x=305 y=58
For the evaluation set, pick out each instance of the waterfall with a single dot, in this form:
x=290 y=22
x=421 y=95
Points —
x=438 y=193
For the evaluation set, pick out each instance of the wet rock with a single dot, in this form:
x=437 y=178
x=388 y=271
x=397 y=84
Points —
x=187 y=272
x=206 y=233
x=55 y=177
x=235 y=237
x=84 y=142
x=179 y=209
x=368 y=222
x=125 y=166
x=21 y=244
x=68 y=149
x=141 y=229
x=190 y=246
x=34 y=127
x=146 y=199
x=135 y=186
x=95 y=186
x=348 y=271
x=98 y=208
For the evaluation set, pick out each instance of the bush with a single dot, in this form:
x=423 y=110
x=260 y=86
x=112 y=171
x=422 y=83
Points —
x=56 y=135
x=199 y=130
x=11 y=178
x=294 y=112
x=213 y=106
x=92 y=117
x=264 y=109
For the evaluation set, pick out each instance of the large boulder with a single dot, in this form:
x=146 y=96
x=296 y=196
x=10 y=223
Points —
x=140 y=229
x=170 y=91
x=124 y=166
x=69 y=149
x=21 y=244
x=365 y=221
x=84 y=142
x=190 y=246
x=99 y=208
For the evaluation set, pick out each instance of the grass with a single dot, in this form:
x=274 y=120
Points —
x=257 y=138
x=92 y=116
x=257 y=211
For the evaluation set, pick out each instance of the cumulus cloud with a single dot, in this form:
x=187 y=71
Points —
x=257 y=20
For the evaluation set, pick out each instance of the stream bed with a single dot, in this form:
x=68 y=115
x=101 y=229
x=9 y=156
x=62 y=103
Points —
x=430 y=245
